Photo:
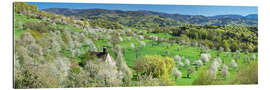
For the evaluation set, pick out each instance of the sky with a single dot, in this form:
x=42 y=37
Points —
x=171 y=9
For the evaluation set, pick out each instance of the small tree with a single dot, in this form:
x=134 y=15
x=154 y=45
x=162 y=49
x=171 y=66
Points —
x=205 y=57
x=187 y=62
x=224 y=71
x=176 y=73
x=177 y=58
x=233 y=64
x=198 y=63
x=190 y=70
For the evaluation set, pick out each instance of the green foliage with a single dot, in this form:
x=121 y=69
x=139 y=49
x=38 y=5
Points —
x=226 y=45
x=204 y=78
x=24 y=8
x=40 y=27
x=28 y=77
x=153 y=68
x=35 y=34
x=247 y=74
x=105 y=24
x=150 y=20
x=228 y=37
x=86 y=57
x=156 y=66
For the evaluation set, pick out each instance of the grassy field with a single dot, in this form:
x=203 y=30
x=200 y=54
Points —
x=188 y=52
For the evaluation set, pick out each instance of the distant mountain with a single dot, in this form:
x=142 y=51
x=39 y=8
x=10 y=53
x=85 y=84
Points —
x=252 y=16
x=134 y=18
x=228 y=16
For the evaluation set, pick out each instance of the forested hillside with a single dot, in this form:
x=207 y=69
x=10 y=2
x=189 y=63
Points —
x=54 y=50
x=142 y=17
x=235 y=29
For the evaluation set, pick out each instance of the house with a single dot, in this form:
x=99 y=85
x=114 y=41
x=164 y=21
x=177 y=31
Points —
x=105 y=56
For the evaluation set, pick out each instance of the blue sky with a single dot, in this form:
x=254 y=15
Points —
x=172 y=9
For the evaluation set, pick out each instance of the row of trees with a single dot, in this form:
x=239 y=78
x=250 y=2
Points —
x=231 y=38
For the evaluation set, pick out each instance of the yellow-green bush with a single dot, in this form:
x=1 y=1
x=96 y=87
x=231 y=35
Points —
x=247 y=74
x=204 y=78
x=156 y=66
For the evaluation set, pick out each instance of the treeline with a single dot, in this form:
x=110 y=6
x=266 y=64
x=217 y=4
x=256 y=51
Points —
x=230 y=38
x=129 y=18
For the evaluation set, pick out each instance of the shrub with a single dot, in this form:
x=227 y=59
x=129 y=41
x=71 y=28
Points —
x=247 y=74
x=27 y=38
x=35 y=50
x=40 y=27
x=203 y=78
x=41 y=76
x=145 y=80
x=157 y=66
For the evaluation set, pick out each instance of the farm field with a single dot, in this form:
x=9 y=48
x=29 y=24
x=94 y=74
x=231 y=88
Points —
x=59 y=51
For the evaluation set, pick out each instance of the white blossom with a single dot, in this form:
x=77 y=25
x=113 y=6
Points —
x=205 y=57
x=233 y=64
x=199 y=63
x=224 y=71
x=224 y=67
x=253 y=56
x=63 y=64
x=176 y=73
x=132 y=45
x=177 y=58
x=27 y=38
x=141 y=37
x=181 y=64
x=187 y=62
x=120 y=39
x=128 y=38
x=142 y=43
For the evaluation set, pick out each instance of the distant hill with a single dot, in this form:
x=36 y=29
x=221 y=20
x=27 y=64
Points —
x=152 y=19
x=252 y=16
